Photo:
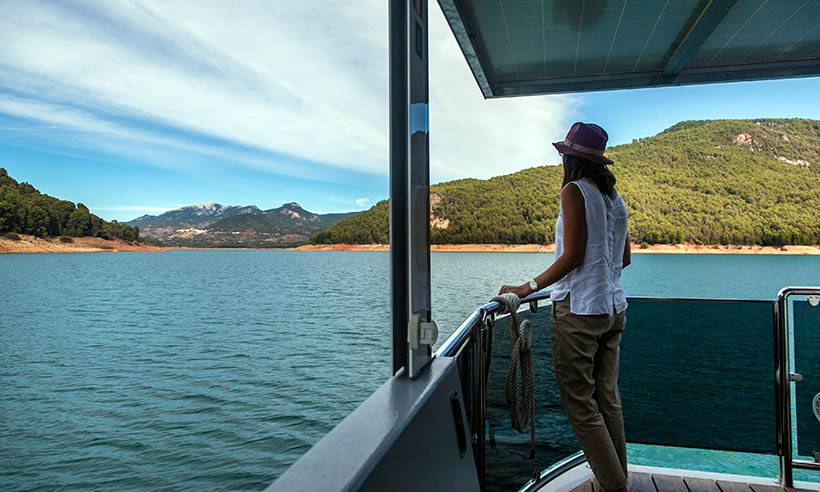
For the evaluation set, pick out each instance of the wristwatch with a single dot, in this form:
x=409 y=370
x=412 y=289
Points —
x=533 y=285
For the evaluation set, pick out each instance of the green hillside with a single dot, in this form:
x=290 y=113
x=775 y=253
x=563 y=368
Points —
x=24 y=210
x=702 y=182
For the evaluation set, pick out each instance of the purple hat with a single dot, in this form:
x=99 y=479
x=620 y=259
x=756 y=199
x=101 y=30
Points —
x=585 y=140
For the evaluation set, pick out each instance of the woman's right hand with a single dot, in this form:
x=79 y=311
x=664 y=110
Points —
x=522 y=290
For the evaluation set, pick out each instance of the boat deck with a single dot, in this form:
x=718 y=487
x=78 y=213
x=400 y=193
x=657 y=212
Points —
x=651 y=482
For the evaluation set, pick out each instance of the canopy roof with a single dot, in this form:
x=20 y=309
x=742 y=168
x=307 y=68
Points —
x=521 y=47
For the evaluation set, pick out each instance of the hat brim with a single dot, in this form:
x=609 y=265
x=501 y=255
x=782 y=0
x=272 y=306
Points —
x=563 y=148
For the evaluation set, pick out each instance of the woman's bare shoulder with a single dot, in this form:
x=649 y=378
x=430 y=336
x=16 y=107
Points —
x=572 y=192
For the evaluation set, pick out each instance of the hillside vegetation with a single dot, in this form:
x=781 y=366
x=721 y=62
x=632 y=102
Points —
x=703 y=182
x=24 y=210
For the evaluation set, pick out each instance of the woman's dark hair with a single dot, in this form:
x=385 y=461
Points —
x=576 y=168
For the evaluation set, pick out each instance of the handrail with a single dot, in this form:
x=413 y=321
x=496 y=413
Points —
x=460 y=336
x=463 y=333
x=475 y=330
x=554 y=471
x=493 y=307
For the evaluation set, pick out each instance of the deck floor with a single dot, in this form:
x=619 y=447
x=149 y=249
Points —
x=645 y=482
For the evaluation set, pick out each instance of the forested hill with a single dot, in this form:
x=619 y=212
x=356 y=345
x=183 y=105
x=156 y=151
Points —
x=24 y=210
x=702 y=182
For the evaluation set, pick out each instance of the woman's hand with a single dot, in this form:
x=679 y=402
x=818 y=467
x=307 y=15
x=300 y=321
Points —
x=522 y=290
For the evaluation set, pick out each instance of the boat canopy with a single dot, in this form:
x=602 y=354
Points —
x=529 y=47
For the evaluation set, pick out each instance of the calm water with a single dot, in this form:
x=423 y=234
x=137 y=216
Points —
x=217 y=369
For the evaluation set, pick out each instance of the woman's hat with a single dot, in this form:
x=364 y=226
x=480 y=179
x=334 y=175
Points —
x=585 y=140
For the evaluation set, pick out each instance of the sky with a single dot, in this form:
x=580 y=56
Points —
x=138 y=107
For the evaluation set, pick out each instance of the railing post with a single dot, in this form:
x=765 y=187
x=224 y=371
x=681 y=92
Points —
x=785 y=377
x=783 y=391
x=479 y=390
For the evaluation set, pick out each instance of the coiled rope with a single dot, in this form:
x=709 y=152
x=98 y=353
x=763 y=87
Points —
x=520 y=389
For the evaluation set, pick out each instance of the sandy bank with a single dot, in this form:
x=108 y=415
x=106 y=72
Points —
x=540 y=248
x=31 y=244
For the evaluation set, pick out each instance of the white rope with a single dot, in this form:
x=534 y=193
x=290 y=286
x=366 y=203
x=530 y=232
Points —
x=520 y=388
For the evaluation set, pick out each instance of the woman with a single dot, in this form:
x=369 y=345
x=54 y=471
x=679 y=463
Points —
x=588 y=302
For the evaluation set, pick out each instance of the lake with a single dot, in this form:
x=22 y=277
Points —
x=218 y=369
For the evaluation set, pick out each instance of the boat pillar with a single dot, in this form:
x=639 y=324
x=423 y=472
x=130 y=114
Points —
x=413 y=330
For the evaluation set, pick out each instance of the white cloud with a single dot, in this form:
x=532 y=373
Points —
x=257 y=81
x=473 y=137
x=362 y=202
x=297 y=82
x=90 y=130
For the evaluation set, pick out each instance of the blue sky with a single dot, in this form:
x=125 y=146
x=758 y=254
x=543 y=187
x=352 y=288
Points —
x=139 y=107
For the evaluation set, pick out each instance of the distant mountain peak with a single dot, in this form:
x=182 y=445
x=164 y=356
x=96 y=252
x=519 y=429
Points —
x=295 y=211
x=195 y=216
x=207 y=206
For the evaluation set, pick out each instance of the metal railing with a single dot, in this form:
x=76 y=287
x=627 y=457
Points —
x=475 y=335
x=548 y=475
x=461 y=335
x=785 y=379
x=472 y=343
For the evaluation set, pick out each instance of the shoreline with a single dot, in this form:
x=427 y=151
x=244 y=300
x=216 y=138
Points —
x=550 y=248
x=30 y=244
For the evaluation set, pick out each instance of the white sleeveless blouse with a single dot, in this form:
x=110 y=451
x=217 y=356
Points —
x=595 y=285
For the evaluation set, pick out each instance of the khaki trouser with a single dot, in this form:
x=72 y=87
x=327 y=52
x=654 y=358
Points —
x=585 y=352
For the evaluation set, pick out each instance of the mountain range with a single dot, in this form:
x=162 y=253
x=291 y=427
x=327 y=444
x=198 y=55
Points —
x=711 y=182
x=702 y=182
x=214 y=224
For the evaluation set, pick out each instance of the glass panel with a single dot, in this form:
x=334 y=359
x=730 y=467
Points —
x=508 y=463
x=693 y=374
x=806 y=332
x=700 y=374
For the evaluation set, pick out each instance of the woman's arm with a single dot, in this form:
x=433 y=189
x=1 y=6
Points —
x=575 y=243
